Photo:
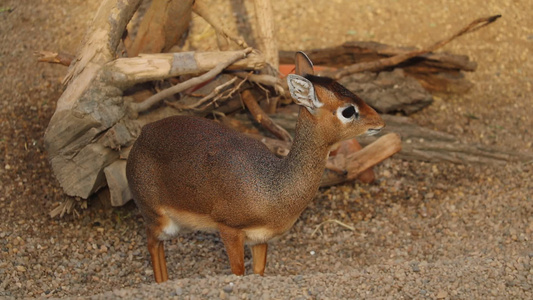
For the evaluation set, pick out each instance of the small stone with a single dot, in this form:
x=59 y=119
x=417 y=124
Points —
x=415 y=267
x=228 y=288
x=20 y=268
x=442 y=294
x=179 y=291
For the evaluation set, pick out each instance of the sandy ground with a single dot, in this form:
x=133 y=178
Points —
x=438 y=231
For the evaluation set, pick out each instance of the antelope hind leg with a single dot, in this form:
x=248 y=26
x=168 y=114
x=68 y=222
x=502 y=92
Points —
x=233 y=240
x=259 y=255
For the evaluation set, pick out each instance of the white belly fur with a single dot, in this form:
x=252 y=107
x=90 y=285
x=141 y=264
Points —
x=178 y=221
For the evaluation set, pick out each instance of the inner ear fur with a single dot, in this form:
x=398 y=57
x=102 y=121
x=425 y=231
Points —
x=303 y=64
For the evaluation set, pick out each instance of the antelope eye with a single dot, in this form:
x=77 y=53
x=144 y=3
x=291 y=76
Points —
x=348 y=112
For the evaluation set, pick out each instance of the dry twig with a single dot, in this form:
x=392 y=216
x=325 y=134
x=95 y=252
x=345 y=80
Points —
x=333 y=221
x=61 y=58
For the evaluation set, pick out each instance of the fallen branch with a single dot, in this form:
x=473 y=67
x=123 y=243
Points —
x=146 y=104
x=262 y=118
x=395 y=60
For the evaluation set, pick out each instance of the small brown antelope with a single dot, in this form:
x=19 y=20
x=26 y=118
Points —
x=192 y=173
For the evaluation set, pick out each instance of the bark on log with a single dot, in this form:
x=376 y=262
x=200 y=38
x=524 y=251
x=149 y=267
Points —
x=389 y=92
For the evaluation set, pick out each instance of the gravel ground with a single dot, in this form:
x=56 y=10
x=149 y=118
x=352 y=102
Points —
x=439 y=231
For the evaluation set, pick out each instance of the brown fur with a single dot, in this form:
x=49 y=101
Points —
x=197 y=174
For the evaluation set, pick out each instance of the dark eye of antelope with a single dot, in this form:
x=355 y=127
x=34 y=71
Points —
x=347 y=113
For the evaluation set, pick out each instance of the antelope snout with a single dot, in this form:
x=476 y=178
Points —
x=373 y=131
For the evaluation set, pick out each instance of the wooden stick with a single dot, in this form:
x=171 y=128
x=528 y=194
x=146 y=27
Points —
x=262 y=118
x=394 y=60
x=145 y=105
x=61 y=58
x=201 y=9
x=346 y=148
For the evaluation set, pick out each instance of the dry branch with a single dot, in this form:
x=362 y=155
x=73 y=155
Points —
x=146 y=104
x=150 y=67
x=395 y=60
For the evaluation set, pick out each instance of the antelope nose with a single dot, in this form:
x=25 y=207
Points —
x=373 y=131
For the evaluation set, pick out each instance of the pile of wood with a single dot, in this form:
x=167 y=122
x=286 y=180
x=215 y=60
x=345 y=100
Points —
x=125 y=77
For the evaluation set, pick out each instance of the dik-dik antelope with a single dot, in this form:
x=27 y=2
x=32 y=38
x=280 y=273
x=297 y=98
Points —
x=193 y=173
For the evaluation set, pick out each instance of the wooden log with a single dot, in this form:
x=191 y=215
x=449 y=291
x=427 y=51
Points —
x=360 y=161
x=162 y=25
x=117 y=182
x=389 y=92
x=424 y=144
x=76 y=122
x=267 y=42
x=428 y=69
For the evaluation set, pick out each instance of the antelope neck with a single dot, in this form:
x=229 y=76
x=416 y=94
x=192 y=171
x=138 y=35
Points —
x=302 y=169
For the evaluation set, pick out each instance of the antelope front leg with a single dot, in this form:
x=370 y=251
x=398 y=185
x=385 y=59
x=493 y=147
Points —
x=233 y=240
x=259 y=255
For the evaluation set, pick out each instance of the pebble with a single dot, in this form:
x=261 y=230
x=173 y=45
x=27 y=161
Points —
x=228 y=288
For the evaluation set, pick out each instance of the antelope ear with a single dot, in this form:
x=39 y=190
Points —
x=303 y=92
x=303 y=64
